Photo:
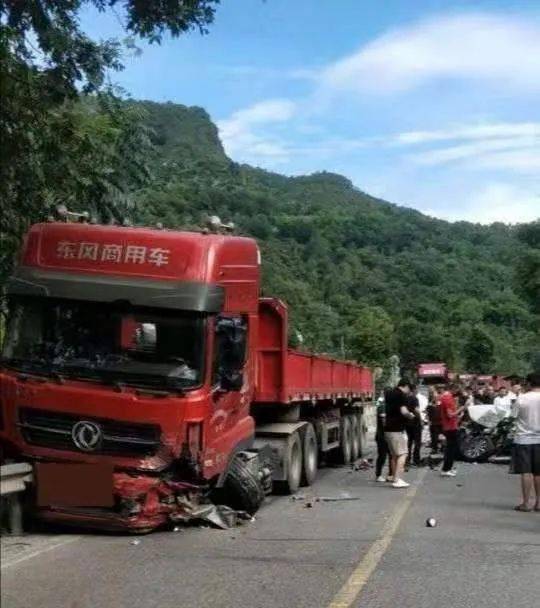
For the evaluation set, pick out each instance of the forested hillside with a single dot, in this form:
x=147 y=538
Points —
x=363 y=277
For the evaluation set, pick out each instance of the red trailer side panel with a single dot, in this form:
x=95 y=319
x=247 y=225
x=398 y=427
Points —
x=285 y=375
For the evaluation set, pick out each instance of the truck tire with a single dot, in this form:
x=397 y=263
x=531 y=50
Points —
x=362 y=435
x=293 y=466
x=242 y=490
x=310 y=456
x=356 y=442
x=344 y=451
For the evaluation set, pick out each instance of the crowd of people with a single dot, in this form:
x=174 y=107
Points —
x=403 y=412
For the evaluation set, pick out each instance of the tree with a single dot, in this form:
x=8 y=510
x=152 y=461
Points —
x=528 y=268
x=51 y=150
x=479 y=352
x=372 y=338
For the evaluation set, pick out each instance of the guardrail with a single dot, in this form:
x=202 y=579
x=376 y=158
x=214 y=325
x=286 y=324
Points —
x=13 y=480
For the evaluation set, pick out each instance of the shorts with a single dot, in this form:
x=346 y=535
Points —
x=525 y=459
x=397 y=443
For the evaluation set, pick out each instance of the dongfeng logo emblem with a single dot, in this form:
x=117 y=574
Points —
x=86 y=435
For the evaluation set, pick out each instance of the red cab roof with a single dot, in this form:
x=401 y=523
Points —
x=431 y=369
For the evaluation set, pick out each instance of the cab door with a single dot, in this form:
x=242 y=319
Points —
x=230 y=422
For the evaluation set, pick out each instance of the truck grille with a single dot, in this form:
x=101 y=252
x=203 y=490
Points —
x=55 y=430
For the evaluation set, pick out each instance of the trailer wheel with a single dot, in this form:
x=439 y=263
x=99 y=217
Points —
x=311 y=456
x=344 y=451
x=293 y=465
x=242 y=490
x=355 y=436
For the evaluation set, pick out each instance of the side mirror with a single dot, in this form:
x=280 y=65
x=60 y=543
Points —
x=231 y=333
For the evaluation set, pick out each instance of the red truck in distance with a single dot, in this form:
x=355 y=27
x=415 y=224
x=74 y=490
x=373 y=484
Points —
x=430 y=374
x=148 y=356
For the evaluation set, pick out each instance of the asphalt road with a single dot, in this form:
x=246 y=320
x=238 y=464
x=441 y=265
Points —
x=375 y=552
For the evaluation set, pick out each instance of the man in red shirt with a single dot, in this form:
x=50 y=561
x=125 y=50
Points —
x=449 y=421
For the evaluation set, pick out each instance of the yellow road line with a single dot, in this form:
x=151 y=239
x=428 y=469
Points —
x=360 y=576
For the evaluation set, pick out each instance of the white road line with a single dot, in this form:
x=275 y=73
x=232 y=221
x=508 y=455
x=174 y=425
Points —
x=360 y=576
x=45 y=549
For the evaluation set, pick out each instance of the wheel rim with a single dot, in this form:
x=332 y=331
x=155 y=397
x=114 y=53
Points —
x=310 y=456
x=355 y=440
x=347 y=441
x=474 y=447
x=295 y=465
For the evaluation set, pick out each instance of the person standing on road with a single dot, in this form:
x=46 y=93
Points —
x=526 y=447
x=382 y=446
x=414 y=428
x=434 y=418
x=503 y=399
x=514 y=392
x=397 y=415
x=449 y=422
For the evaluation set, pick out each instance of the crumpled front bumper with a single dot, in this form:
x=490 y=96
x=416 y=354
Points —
x=143 y=503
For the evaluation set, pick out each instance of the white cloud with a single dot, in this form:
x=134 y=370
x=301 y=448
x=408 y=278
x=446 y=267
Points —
x=240 y=133
x=503 y=49
x=485 y=131
x=511 y=147
x=518 y=161
x=475 y=150
x=496 y=202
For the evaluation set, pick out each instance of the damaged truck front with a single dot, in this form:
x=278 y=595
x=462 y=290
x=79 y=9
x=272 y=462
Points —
x=143 y=378
x=125 y=352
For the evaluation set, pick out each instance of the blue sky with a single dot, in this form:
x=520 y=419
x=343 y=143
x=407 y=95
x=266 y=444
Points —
x=427 y=103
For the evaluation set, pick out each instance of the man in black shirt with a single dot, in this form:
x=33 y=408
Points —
x=397 y=415
x=414 y=428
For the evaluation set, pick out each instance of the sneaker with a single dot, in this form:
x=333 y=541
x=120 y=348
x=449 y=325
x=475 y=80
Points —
x=448 y=473
x=389 y=479
x=381 y=479
x=399 y=483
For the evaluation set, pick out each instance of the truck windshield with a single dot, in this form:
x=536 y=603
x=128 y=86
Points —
x=108 y=342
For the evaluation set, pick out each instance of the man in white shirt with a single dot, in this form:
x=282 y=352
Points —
x=514 y=392
x=526 y=448
x=503 y=398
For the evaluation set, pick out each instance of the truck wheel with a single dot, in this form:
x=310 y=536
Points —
x=344 y=451
x=355 y=433
x=311 y=456
x=293 y=465
x=242 y=490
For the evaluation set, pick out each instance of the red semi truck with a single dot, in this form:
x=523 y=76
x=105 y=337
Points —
x=430 y=374
x=143 y=363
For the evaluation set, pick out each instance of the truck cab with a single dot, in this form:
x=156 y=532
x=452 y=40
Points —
x=131 y=347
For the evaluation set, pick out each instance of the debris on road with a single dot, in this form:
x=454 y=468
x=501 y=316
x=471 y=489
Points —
x=219 y=516
x=136 y=541
x=335 y=498
x=431 y=522
x=499 y=460
x=361 y=465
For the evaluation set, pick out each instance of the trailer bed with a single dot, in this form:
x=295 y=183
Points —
x=286 y=376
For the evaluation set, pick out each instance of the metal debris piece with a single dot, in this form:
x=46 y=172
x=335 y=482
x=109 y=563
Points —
x=361 y=465
x=335 y=498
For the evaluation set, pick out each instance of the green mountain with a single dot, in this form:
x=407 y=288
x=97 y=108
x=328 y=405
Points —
x=363 y=278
